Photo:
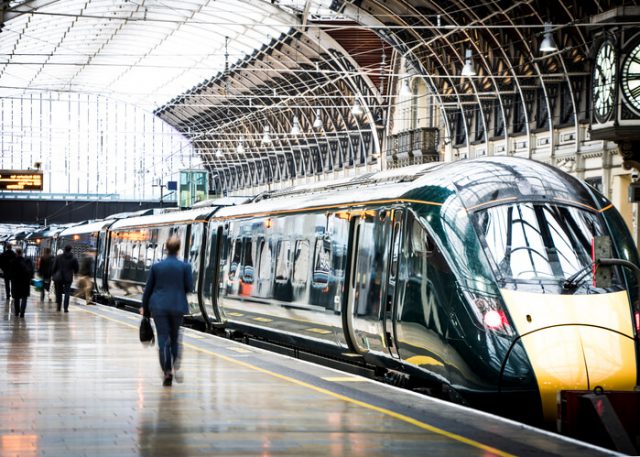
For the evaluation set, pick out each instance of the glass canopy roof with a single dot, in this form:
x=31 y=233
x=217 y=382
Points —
x=141 y=51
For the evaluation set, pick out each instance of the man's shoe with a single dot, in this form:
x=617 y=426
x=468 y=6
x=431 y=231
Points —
x=22 y=315
x=66 y=310
x=167 y=381
x=177 y=375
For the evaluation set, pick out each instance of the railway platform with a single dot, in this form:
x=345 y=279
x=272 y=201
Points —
x=81 y=384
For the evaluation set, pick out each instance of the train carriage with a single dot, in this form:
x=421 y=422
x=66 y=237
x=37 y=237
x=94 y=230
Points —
x=465 y=276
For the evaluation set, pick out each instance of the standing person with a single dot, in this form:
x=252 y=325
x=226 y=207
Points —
x=165 y=299
x=21 y=274
x=64 y=267
x=44 y=270
x=6 y=258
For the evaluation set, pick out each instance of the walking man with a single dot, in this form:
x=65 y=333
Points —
x=64 y=267
x=6 y=258
x=21 y=274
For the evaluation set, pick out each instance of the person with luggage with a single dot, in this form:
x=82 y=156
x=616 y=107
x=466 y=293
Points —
x=44 y=271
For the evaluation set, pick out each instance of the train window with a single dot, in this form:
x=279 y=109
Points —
x=396 y=250
x=235 y=258
x=538 y=242
x=301 y=262
x=322 y=263
x=283 y=262
x=264 y=269
x=247 y=261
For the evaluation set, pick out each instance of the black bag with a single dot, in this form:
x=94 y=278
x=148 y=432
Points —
x=146 y=331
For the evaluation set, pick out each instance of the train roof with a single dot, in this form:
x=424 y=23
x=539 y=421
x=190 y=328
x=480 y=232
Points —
x=89 y=227
x=388 y=185
x=476 y=182
x=189 y=215
x=46 y=231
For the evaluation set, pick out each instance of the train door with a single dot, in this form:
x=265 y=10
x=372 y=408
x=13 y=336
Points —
x=371 y=236
x=192 y=253
x=396 y=218
x=422 y=296
x=101 y=265
x=210 y=281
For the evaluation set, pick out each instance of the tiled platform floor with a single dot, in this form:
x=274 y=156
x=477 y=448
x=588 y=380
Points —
x=81 y=384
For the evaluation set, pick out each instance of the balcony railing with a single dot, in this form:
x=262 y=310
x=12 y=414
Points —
x=413 y=147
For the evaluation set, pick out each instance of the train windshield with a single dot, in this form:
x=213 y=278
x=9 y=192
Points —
x=538 y=243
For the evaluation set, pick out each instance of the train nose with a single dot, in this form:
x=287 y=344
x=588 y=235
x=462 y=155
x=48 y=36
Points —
x=579 y=357
x=574 y=341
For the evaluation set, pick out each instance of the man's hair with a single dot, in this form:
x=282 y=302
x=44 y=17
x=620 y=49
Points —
x=18 y=252
x=173 y=245
x=67 y=248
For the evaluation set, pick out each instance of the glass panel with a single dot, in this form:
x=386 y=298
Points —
x=301 y=262
x=264 y=271
x=539 y=242
x=283 y=262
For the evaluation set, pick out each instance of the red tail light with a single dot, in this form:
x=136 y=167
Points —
x=489 y=312
x=637 y=318
x=495 y=320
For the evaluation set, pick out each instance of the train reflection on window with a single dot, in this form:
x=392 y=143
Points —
x=538 y=243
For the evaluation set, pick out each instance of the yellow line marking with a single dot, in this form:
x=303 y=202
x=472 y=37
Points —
x=235 y=314
x=345 y=379
x=322 y=331
x=401 y=417
x=240 y=350
x=197 y=337
x=262 y=319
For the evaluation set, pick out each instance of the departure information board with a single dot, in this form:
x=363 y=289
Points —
x=20 y=180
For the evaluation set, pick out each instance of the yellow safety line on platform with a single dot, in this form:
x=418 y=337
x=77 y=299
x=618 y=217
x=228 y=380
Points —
x=344 y=379
x=401 y=417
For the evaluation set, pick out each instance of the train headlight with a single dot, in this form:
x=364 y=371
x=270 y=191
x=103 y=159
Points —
x=489 y=313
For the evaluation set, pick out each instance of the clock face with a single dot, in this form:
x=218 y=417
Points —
x=630 y=78
x=604 y=82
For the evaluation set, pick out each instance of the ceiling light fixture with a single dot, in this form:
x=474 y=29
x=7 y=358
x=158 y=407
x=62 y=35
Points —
x=240 y=148
x=468 y=69
x=405 y=90
x=317 y=124
x=295 y=127
x=548 y=44
x=266 y=138
x=356 y=109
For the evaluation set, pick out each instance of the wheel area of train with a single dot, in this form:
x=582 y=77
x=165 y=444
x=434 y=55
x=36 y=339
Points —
x=80 y=383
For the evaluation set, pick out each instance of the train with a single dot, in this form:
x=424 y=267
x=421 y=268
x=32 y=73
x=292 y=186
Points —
x=473 y=279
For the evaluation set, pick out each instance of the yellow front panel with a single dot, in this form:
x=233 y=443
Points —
x=531 y=311
x=556 y=358
x=610 y=359
x=575 y=341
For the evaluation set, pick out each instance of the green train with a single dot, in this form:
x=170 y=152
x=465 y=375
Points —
x=471 y=278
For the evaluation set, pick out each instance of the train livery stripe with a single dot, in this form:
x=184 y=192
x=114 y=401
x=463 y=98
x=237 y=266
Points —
x=387 y=412
x=346 y=205
x=563 y=336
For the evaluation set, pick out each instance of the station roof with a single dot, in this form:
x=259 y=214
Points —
x=144 y=51
x=230 y=73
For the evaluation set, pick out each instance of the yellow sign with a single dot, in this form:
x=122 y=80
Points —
x=20 y=180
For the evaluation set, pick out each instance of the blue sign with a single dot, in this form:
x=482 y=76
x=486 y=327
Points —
x=172 y=185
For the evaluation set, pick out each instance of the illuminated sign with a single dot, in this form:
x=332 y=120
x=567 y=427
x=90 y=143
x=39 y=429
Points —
x=20 y=180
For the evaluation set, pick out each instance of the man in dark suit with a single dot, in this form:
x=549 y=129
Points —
x=64 y=267
x=6 y=259
x=165 y=299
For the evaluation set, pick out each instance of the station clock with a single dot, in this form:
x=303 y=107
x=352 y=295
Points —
x=630 y=78
x=604 y=82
